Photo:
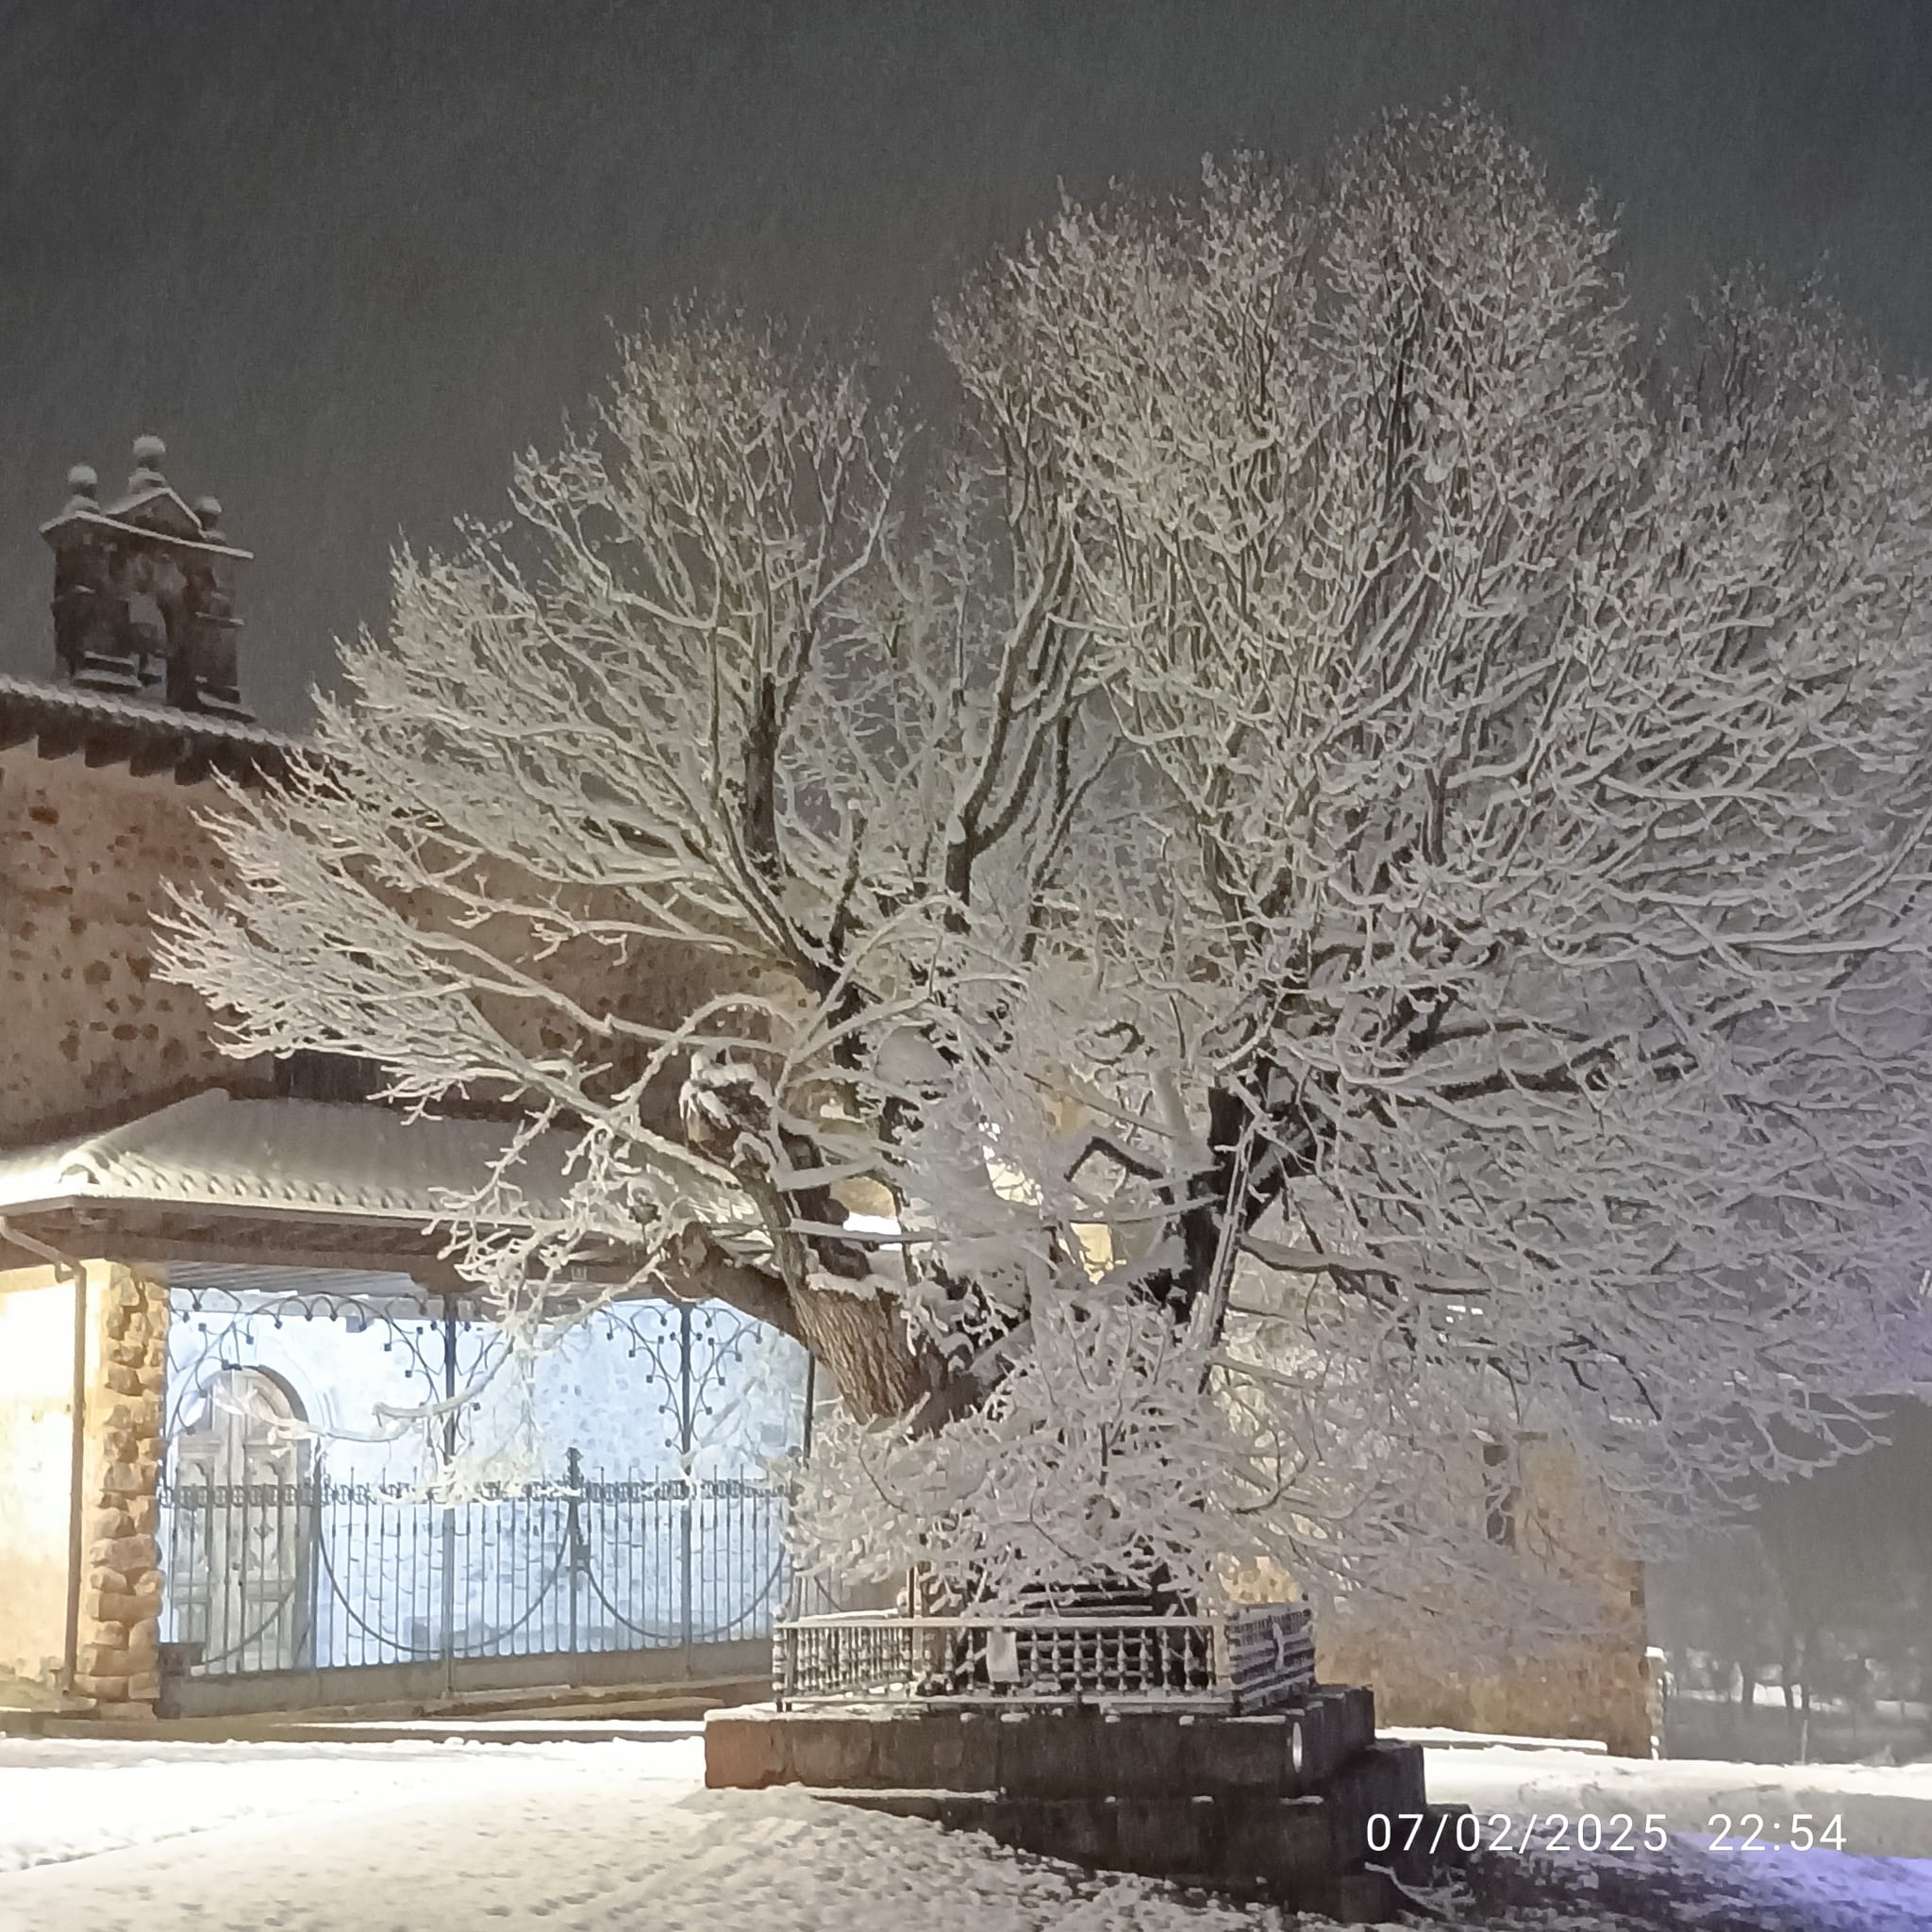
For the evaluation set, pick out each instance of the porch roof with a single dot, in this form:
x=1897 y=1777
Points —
x=293 y=1157
x=216 y=1172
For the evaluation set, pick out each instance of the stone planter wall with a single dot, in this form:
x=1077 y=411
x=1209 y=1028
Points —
x=1273 y=1807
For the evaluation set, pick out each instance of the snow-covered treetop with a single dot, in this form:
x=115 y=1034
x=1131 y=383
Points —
x=1339 y=765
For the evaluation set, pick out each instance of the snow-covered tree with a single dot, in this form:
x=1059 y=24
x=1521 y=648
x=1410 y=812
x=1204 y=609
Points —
x=1330 y=866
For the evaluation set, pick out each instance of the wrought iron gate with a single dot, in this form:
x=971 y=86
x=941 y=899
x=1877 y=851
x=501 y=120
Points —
x=282 y=1557
x=588 y=1565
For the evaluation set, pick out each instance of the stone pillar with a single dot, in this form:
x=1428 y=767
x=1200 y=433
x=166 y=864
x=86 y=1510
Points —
x=117 y=1663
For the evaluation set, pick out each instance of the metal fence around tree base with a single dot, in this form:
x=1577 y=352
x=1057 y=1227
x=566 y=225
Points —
x=1255 y=1660
x=316 y=1575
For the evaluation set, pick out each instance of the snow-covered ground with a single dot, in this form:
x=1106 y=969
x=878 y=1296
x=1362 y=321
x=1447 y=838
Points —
x=1886 y=1811
x=163 y=1838
x=1881 y=1879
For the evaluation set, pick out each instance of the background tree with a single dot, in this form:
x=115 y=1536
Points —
x=1827 y=1586
x=1333 y=763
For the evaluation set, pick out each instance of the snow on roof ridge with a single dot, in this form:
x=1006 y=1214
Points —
x=134 y=711
x=201 y=1149
x=348 y=1158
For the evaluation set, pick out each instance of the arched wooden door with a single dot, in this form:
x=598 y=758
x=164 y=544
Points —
x=245 y=1530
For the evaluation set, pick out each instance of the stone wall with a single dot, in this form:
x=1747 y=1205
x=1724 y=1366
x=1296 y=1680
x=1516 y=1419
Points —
x=90 y=1030
x=92 y=1035
x=1602 y=1688
x=120 y=1580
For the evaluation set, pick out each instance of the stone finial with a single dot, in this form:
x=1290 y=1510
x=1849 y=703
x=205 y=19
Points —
x=84 y=492
x=208 y=510
x=148 y=453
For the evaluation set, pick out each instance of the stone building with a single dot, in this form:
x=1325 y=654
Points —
x=209 y=1267
x=1605 y=1687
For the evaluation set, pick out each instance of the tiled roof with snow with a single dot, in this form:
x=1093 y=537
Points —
x=141 y=732
x=360 y=1161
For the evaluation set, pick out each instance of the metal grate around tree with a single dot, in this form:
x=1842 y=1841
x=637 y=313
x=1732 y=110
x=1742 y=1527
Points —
x=1253 y=1659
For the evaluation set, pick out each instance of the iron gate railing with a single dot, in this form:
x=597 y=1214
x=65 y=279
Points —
x=318 y=1574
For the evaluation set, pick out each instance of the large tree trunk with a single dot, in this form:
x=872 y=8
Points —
x=860 y=1341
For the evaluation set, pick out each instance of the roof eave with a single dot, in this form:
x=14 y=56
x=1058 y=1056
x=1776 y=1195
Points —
x=190 y=747
x=133 y=1233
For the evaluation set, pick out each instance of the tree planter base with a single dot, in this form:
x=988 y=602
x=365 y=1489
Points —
x=1275 y=1808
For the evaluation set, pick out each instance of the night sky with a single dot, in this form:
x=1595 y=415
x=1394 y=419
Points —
x=348 y=257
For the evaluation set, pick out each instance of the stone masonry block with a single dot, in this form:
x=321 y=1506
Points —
x=1083 y=1830
x=969 y=1810
x=836 y=1751
x=1282 y=1847
x=128 y=1479
x=1358 y=1898
x=965 y=1751
x=121 y=1379
x=1352 y=1708
x=1148 y=1754
x=1317 y=1723
x=1435 y=1853
x=937 y=1749
x=742 y=1750
x=101 y=1689
x=1054 y=1754
x=1355 y=1704
x=115 y=1607
x=1164 y=1838
x=903 y=1752
x=1229 y=1755
x=130 y=1555
x=1387 y=1779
